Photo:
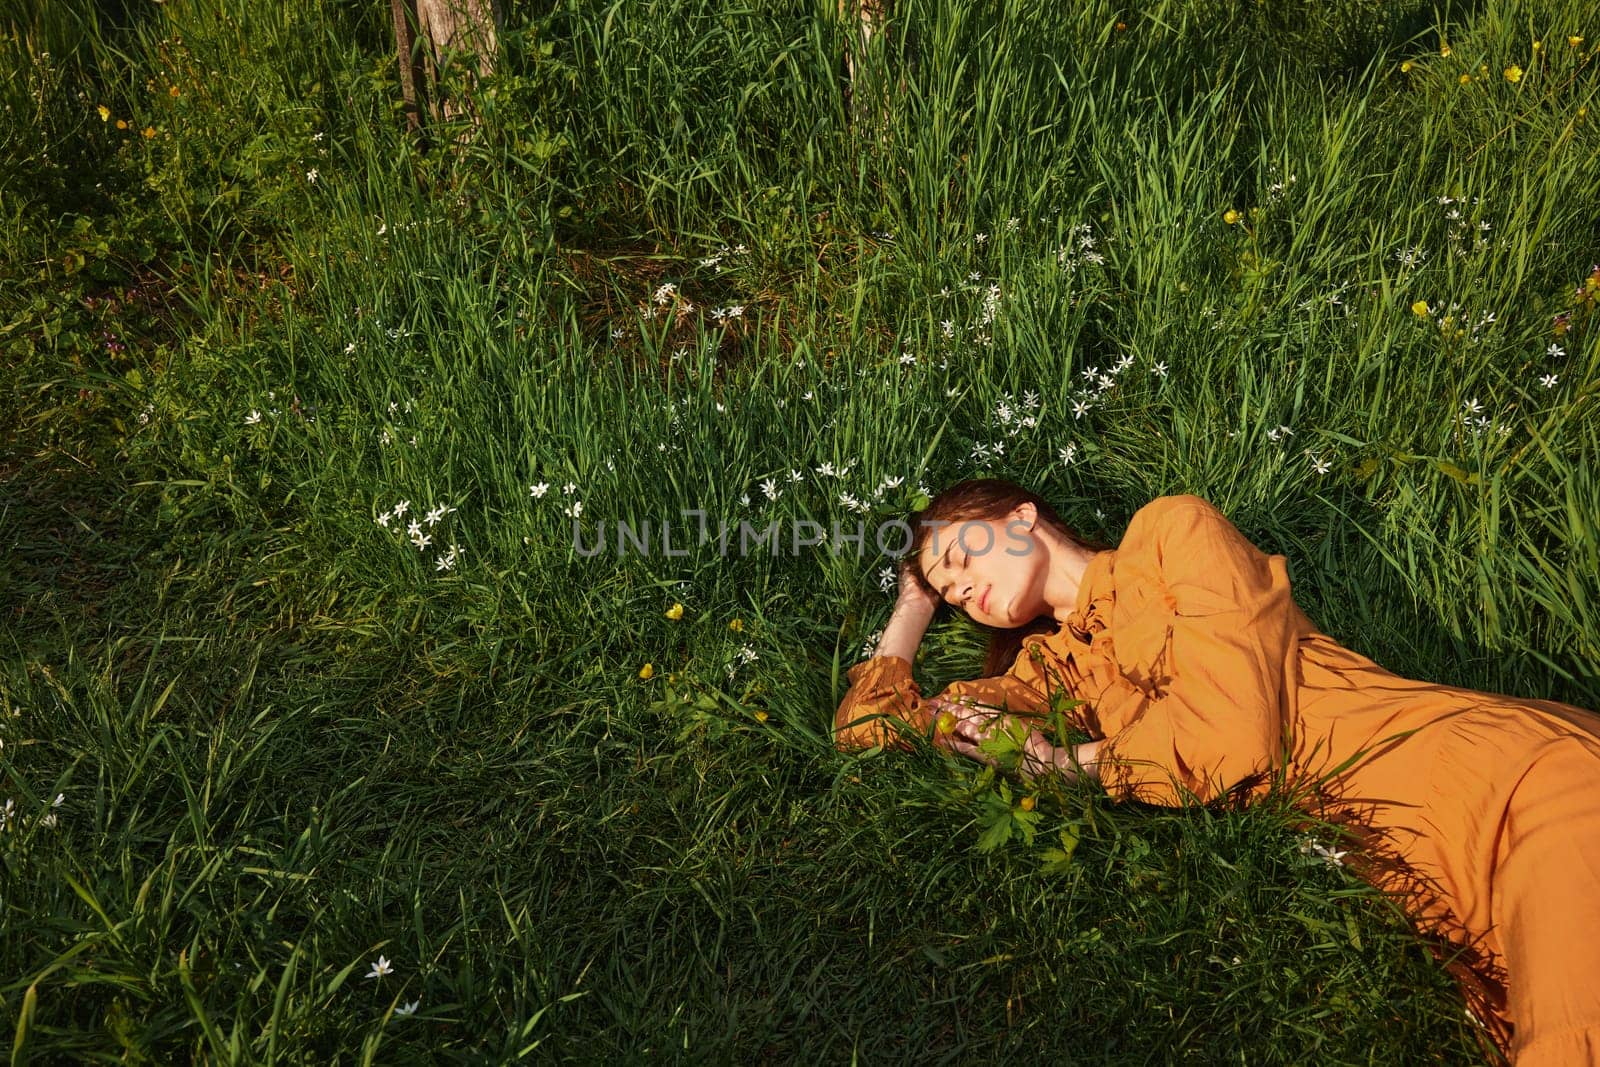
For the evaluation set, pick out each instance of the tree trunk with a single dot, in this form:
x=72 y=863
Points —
x=459 y=30
x=868 y=20
x=450 y=32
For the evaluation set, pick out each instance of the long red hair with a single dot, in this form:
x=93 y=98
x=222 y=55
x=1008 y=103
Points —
x=987 y=499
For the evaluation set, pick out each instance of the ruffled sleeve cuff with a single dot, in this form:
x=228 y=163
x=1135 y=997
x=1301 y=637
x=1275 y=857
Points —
x=880 y=687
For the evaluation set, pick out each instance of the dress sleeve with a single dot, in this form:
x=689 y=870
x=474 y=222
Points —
x=1208 y=709
x=882 y=688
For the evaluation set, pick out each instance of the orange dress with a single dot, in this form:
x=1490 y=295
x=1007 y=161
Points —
x=1478 y=812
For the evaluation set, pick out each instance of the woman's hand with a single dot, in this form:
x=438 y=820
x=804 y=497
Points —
x=912 y=594
x=962 y=728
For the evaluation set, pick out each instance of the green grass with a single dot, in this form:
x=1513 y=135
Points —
x=286 y=743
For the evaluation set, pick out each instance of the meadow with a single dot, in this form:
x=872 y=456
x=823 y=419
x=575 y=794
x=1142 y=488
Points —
x=321 y=742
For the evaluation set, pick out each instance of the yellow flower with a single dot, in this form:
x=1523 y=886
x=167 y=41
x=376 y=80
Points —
x=647 y=672
x=149 y=131
x=761 y=716
x=1483 y=68
x=105 y=112
x=1405 y=68
x=737 y=626
x=1537 y=45
x=675 y=612
x=122 y=124
x=1026 y=803
x=1444 y=48
x=173 y=91
x=947 y=722
x=1582 y=111
x=1513 y=73
x=1420 y=307
x=1573 y=42
x=1230 y=216
x=1464 y=79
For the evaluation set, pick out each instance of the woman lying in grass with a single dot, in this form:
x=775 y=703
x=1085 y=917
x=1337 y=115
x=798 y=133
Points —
x=1183 y=654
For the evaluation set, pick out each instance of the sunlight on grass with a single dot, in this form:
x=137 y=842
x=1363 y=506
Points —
x=322 y=739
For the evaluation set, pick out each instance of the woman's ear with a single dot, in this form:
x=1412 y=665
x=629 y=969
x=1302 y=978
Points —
x=1026 y=513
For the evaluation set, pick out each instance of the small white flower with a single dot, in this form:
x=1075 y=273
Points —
x=59 y=800
x=252 y=418
x=770 y=488
x=744 y=499
x=1067 y=453
x=1548 y=381
x=444 y=563
x=809 y=395
x=1471 y=406
x=311 y=175
x=1079 y=409
x=1090 y=373
x=569 y=489
x=886 y=579
x=408 y=1009
x=380 y=968
x=383 y=520
x=980 y=238
x=794 y=475
x=1320 y=465
x=948 y=328
x=401 y=508
x=574 y=509
x=827 y=471
x=1122 y=364
x=542 y=488
x=720 y=409
x=907 y=359
x=434 y=515
x=422 y=541
x=414 y=529
x=1555 y=350
x=1159 y=370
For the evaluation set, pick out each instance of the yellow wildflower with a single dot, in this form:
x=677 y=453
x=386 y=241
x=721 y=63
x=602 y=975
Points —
x=1420 y=307
x=1573 y=42
x=122 y=124
x=647 y=672
x=675 y=612
x=173 y=91
x=1537 y=45
x=1230 y=216
x=1582 y=111
x=761 y=716
x=1026 y=803
x=1464 y=79
x=1444 y=48
x=1513 y=73
x=105 y=112
x=1405 y=68
x=947 y=722
x=149 y=131
x=737 y=626
x=1121 y=26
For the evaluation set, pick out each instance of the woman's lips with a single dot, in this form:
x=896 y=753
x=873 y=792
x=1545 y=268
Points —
x=983 y=602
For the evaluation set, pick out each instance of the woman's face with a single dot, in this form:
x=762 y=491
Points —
x=994 y=570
